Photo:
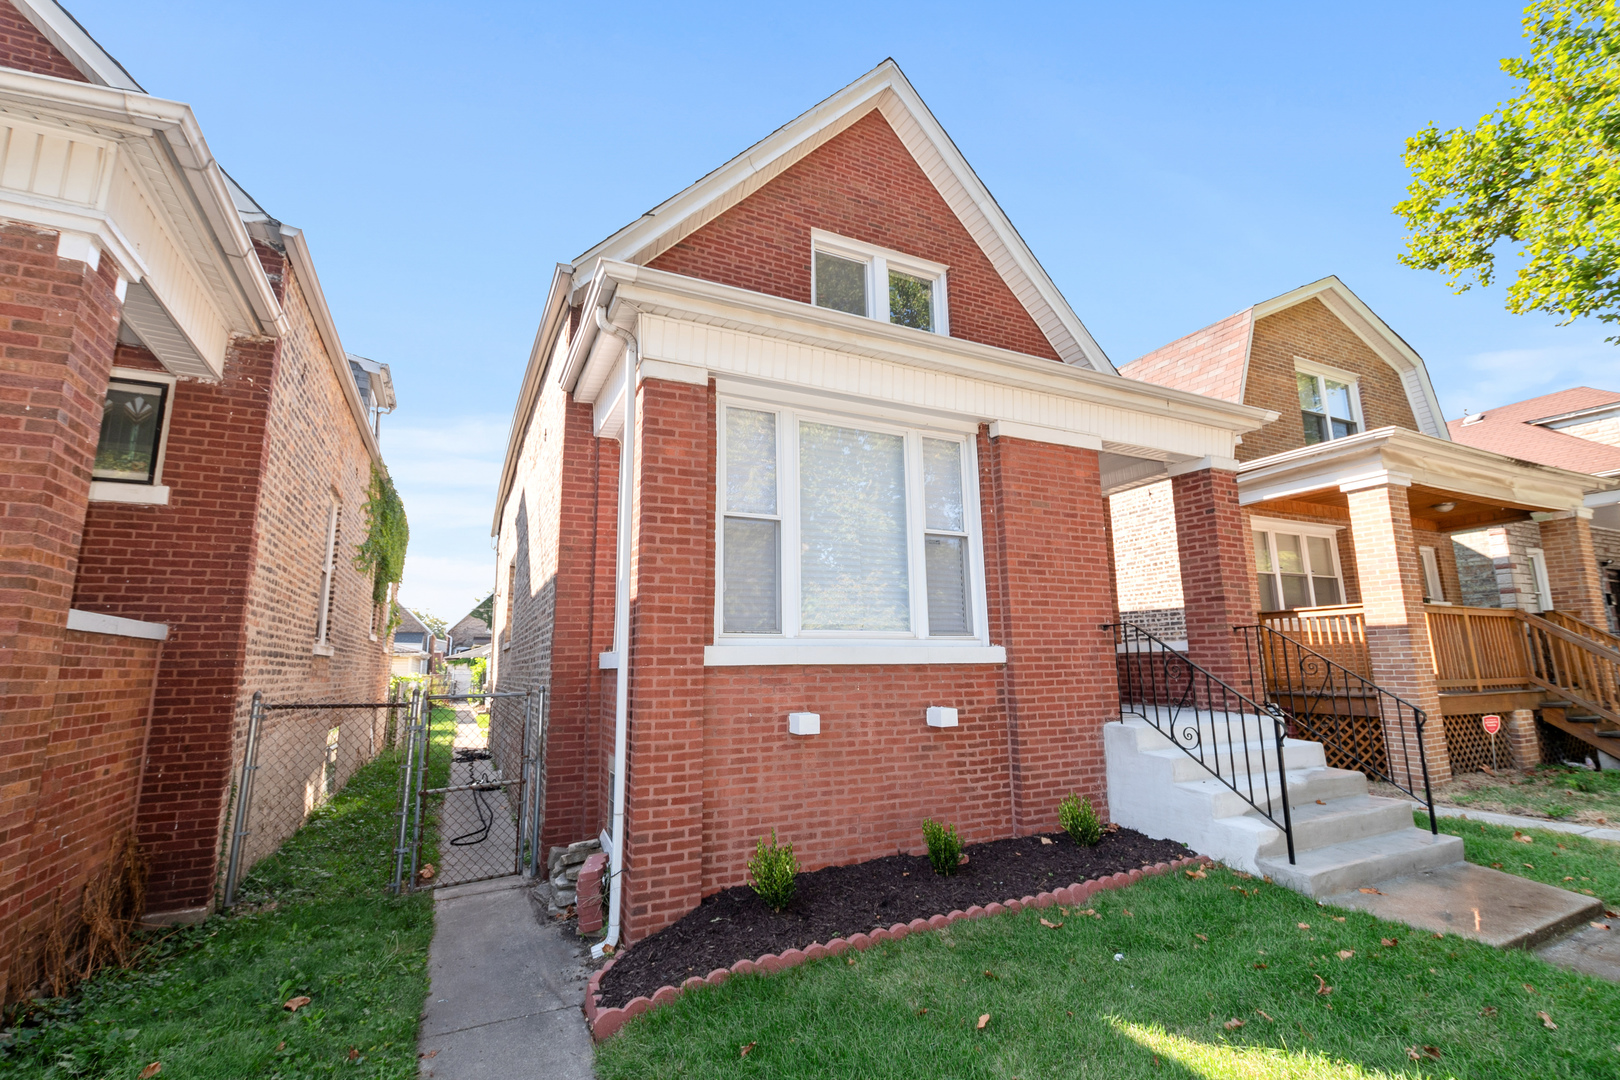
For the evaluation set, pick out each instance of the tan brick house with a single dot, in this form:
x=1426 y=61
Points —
x=859 y=574
x=1351 y=498
x=185 y=456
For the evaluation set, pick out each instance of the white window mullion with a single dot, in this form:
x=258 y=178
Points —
x=880 y=289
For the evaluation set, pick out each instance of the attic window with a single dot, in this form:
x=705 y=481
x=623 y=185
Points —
x=860 y=279
x=1329 y=403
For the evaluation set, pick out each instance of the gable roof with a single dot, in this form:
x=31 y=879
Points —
x=886 y=89
x=409 y=623
x=1515 y=430
x=1215 y=359
x=73 y=41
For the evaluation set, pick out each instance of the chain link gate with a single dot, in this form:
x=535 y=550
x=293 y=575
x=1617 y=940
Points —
x=472 y=786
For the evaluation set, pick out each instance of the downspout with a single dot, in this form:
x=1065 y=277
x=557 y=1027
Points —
x=621 y=632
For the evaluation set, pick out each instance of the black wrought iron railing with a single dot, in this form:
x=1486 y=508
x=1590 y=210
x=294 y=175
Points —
x=1237 y=740
x=1360 y=725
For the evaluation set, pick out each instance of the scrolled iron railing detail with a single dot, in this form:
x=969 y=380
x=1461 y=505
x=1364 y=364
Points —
x=1162 y=686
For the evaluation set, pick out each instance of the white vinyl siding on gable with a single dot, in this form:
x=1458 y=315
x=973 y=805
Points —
x=842 y=529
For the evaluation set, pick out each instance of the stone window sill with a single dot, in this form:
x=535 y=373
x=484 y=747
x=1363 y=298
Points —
x=139 y=494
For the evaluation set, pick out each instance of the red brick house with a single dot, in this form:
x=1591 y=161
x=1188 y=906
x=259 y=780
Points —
x=185 y=456
x=860 y=571
x=1352 y=499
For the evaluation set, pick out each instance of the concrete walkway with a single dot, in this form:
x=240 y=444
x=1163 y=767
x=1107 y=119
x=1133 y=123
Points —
x=1593 y=832
x=506 y=989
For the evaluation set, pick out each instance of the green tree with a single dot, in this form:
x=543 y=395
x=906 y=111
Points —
x=432 y=622
x=1540 y=175
x=485 y=611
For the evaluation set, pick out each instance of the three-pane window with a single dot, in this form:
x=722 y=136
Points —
x=838 y=528
x=1327 y=406
x=1296 y=570
x=864 y=280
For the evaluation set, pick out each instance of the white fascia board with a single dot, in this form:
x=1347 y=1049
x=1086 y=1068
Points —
x=1378 y=336
x=704 y=301
x=75 y=42
x=176 y=138
x=1594 y=412
x=885 y=88
x=304 y=268
x=534 y=375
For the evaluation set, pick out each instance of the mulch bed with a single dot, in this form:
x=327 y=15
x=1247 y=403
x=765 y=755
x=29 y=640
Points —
x=842 y=900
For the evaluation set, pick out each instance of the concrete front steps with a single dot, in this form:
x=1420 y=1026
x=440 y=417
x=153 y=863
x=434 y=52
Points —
x=1344 y=838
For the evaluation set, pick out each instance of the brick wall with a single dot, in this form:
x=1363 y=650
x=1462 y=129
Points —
x=1309 y=330
x=58 y=321
x=1572 y=570
x=1146 y=564
x=1476 y=568
x=865 y=185
x=22 y=46
x=1606 y=546
x=1606 y=430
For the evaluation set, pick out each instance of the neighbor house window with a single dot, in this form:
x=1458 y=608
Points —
x=869 y=281
x=323 y=620
x=1539 y=579
x=1329 y=405
x=843 y=528
x=132 y=424
x=1433 y=590
x=1298 y=567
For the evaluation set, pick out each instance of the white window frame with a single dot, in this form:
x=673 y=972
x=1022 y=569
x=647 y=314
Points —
x=1434 y=587
x=123 y=491
x=1539 y=579
x=879 y=261
x=1303 y=366
x=322 y=646
x=794 y=645
x=1302 y=529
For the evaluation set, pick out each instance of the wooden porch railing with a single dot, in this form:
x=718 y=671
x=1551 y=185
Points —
x=1477 y=648
x=1339 y=633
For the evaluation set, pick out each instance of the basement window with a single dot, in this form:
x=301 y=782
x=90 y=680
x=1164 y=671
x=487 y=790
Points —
x=869 y=281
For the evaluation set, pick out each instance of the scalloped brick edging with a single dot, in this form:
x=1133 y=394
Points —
x=604 y=1022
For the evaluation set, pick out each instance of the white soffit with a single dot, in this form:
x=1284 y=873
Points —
x=1351 y=310
x=884 y=88
x=156 y=328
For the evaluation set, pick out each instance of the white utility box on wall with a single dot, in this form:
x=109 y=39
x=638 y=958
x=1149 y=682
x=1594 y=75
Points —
x=804 y=723
x=940 y=716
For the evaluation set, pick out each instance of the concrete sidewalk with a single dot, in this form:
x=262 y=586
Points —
x=506 y=989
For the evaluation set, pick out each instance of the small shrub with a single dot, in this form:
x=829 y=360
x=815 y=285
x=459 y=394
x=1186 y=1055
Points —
x=1080 y=821
x=944 y=847
x=772 y=873
x=1558 y=811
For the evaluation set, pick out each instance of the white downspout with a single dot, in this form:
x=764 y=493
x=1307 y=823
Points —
x=621 y=631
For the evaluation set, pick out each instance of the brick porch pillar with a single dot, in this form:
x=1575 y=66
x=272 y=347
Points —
x=1397 y=629
x=671 y=613
x=1572 y=569
x=60 y=319
x=1217 y=566
x=1519 y=730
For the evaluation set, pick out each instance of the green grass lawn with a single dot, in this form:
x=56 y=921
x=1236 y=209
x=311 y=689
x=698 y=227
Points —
x=1558 y=792
x=1570 y=862
x=1146 y=988
x=207 y=1001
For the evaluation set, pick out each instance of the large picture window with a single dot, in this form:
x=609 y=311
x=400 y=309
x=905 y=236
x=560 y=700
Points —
x=860 y=279
x=840 y=528
x=1298 y=567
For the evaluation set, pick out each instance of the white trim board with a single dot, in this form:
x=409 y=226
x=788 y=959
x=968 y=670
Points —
x=93 y=622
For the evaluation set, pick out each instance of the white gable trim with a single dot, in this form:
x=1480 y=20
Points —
x=1378 y=336
x=74 y=42
x=884 y=88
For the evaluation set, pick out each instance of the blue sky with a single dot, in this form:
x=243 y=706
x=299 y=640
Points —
x=1169 y=164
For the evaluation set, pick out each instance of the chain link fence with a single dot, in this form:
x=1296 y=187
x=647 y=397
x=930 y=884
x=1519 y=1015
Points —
x=298 y=756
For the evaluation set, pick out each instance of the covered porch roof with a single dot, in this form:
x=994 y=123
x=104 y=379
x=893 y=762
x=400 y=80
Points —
x=1455 y=486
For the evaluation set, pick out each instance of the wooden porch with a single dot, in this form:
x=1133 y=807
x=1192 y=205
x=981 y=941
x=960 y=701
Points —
x=1490 y=660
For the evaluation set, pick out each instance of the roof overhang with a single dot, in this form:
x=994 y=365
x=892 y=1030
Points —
x=886 y=89
x=1337 y=297
x=1406 y=458
x=127 y=175
x=552 y=318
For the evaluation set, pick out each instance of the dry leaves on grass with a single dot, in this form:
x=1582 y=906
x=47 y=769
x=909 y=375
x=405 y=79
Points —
x=1051 y=925
x=1322 y=987
x=1488 y=1011
x=1547 y=1022
x=426 y=873
x=1201 y=937
x=1522 y=838
x=1389 y=942
x=1265 y=1014
x=1345 y=954
x=983 y=1020
x=1232 y=1024
x=294 y=1004
x=1196 y=874
x=151 y=1070
x=747 y=1048
x=354 y=1053
x=1304 y=926
x=1418 y=1053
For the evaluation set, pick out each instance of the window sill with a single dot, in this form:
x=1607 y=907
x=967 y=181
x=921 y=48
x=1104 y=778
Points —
x=323 y=650
x=818 y=655
x=140 y=494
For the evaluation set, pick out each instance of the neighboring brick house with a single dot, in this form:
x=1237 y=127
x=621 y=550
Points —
x=468 y=634
x=1353 y=494
x=1577 y=429
x=867 y=558
x=186 y=459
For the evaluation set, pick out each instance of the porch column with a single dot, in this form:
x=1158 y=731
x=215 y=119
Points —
x=1519 y=729
x=1397 y=630
x=1572 y=569
x=1217 y=565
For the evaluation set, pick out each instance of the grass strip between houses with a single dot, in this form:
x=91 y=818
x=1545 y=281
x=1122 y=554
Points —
x=315 y=920
x=1219 y=976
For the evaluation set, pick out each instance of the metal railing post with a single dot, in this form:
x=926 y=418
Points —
x=244 y=797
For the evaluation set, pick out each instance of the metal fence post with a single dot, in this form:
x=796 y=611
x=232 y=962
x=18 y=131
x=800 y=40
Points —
x=404 y=812
x=244 y=797
x=423 y=731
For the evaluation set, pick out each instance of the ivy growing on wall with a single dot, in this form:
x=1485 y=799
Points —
x=382 y=552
